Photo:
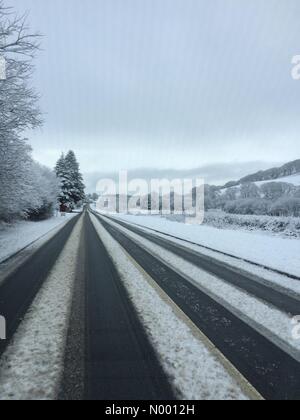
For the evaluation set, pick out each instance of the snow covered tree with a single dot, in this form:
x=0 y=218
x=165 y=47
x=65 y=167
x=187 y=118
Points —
x=15 y=177
x=286 y=206
x=211 y=196
x=65 y=185
x=230 y=194
x=249 y=191
x=77 y=186
x=27 y=189
x=18 y=111
x=252 y=206
x=71 y=181
x=45 y=189
x=275 y=190
x=62 y=177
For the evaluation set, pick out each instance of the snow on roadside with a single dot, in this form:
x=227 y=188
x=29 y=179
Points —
x=291 y=179
x=191 y=367
x=31 y=367
x=278 y=253
x=266 y=276
x=272 y=322
x=15 y=237
x=285 y=227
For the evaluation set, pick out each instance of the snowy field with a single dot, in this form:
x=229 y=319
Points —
x=292 y=179
x=279 y=226
x=15 y=237
x=275 y=252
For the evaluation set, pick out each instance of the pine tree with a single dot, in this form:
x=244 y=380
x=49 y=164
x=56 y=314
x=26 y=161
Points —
x=71 y=181
x=77 y=188
x=65 y=183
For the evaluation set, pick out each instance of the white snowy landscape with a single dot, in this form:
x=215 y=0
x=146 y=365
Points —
x=124 y=306
x=21 y=234
x=273 y=320
x=274 y=252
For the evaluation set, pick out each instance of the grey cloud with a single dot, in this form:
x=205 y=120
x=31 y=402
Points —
x=213 y=174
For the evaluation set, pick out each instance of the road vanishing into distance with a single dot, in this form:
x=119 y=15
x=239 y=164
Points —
x=108 y=354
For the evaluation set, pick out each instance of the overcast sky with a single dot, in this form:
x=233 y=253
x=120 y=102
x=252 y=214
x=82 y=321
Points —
x=167 y=83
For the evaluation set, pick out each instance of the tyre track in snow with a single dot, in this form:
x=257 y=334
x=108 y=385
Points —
x=226 y=254
x=120 y=362
x=19 y=289
x=250 y=284
x=274 y=373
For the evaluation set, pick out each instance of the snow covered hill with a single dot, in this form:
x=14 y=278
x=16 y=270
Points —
x=288 y=170
x=292 y=179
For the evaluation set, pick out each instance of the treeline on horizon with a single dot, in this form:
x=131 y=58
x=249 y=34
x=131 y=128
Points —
x=271 y=198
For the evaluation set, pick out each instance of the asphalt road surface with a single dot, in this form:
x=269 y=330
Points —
x=108 y=355
x=273 y=372
x=19 y=289
x=120 y=361
x=251 y=284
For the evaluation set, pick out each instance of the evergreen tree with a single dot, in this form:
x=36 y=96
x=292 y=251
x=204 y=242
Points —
x=77 y=186
x=71 y=180
x=59 y=168
x=65 y=183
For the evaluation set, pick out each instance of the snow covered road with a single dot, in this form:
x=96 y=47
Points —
x=193 y=368
x=266 y=331
x=278 y=253
x=31 y=366
x=14 y=238
x=20 y=287
x=106 y=310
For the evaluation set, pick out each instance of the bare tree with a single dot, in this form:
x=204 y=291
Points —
x=18 y=100
x=19 y=109
x=250 y=190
